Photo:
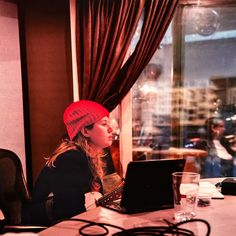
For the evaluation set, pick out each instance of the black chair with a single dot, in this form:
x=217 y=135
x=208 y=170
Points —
x=14 y=194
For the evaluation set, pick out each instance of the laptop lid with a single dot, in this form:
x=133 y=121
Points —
x=148 y=184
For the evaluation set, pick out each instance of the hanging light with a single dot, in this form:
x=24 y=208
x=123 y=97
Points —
x=148 y=84
x=206 y=21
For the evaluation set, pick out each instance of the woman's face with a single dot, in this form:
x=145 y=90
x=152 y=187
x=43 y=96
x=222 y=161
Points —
x=100 y=135
x=219 y=129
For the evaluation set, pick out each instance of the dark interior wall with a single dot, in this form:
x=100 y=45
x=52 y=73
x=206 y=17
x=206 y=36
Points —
x=47 y=76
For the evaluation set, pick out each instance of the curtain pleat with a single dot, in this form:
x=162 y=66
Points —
x=104 y=31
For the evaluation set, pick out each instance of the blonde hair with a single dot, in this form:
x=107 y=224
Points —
x=96 y=163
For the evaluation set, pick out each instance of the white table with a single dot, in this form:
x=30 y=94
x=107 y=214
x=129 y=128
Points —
x=220 y=215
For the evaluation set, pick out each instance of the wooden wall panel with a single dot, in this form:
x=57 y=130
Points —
x=47 y=73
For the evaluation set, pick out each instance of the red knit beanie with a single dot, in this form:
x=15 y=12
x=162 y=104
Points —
x=81 y=114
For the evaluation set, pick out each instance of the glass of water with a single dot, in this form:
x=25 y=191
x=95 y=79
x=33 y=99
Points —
x=185 y=190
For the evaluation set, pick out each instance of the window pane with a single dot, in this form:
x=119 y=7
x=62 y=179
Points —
x=191 y=78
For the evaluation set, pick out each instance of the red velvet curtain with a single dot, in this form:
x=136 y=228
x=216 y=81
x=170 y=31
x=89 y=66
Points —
x=104 y=30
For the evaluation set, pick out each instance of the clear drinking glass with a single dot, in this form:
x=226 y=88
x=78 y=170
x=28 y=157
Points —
x=185 y=189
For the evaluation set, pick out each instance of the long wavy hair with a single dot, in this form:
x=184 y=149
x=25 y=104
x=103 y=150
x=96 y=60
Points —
x=96 y=164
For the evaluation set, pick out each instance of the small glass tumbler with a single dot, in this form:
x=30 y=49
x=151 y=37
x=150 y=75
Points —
x=185 y=190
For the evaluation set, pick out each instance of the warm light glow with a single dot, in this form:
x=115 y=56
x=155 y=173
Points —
x=148 y=89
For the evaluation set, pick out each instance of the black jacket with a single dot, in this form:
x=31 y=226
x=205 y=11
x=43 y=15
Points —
x=68 y=181
x=208 y=144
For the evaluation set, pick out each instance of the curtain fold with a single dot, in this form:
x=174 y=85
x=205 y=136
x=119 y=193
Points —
x=104 y=30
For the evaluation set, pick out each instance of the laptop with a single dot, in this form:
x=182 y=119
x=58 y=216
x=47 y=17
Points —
x=147 y=186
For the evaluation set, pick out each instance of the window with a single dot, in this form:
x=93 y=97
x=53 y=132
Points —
x=191 y=78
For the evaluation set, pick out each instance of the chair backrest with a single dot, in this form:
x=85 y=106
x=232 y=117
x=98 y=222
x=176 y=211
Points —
x=13 y=189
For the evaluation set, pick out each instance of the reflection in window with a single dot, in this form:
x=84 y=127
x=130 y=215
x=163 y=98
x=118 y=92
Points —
x=191 y=78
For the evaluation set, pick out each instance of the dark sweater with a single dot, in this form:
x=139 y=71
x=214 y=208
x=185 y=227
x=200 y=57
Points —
x=68 y=181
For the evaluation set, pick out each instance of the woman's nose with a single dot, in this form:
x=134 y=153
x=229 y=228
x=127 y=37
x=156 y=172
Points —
x=110 y=130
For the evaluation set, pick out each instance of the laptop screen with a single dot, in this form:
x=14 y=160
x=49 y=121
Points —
x=148 y=184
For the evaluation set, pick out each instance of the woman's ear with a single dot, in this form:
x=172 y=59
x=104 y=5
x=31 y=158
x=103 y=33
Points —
x=85 y=132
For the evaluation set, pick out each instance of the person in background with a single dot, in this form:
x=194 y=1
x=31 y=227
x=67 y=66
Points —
x=219 y=162
x=76 y=167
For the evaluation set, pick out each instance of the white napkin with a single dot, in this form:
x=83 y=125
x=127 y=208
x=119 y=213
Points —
x=207 y=187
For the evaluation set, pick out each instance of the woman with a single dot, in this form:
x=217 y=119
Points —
x=76 y=167
x=219 y=162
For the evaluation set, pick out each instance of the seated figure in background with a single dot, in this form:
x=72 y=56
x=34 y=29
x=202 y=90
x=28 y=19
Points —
x=219 y=162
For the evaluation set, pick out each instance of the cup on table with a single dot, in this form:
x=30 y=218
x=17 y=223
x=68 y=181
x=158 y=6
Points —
x=185 y=190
